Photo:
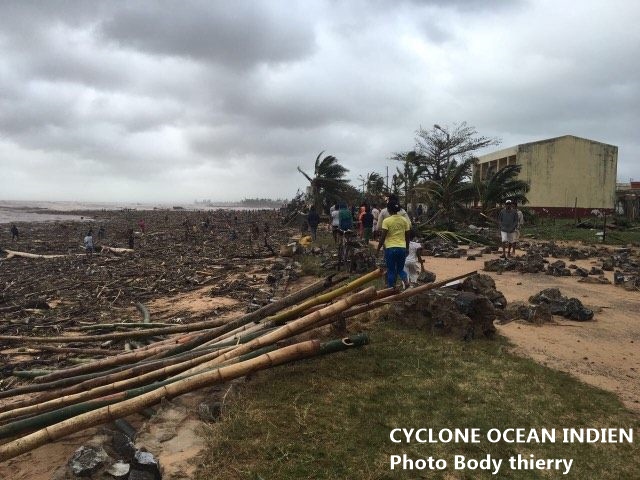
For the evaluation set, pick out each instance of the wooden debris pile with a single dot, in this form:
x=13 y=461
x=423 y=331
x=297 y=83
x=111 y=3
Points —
x=181 y=359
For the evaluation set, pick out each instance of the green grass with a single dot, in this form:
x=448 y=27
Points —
x=564 y=229
x=330 y=417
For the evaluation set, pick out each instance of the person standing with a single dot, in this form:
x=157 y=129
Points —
x=520 y=223
x=15 y=234
x=384 y=213
x=508 y=223
x=414 y=263
x=142 y=225
x=131 y=238
x=335 y=222
x=367 y=223
x=395 y=239
x=345 y=218
x=313 y=219
x=375 y=212
x=361 y=212
x=88 y=243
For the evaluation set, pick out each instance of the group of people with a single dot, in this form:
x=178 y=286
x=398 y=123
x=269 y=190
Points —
x=393 y=229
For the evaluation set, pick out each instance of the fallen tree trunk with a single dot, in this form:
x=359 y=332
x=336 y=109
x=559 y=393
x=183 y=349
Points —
x=116 y=250
x=13 y=253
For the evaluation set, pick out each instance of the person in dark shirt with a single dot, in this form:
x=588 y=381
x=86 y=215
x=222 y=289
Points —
x=508 y=223
x=15 y=234
x=367 y=223
x=313 y=219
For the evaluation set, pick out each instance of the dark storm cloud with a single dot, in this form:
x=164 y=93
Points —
x=237 y=36
x=224 y=99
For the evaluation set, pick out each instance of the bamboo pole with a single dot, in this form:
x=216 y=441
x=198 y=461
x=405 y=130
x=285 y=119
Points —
x=81 y=383
x=126 y=407
x=282 y=317
x=127 y=380
x=292 y=328
x=256 y=316
x=99 y=365
x=403 y=295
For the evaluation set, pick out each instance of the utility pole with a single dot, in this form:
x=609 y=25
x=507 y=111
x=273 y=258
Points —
x=387 y=182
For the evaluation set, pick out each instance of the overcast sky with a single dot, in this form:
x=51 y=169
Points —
x=183 y=100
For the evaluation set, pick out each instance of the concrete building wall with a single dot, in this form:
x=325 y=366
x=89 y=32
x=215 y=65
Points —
x=561 y=170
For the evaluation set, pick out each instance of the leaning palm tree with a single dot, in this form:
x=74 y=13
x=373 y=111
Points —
x=500 y=186
x=328 y=182
x=453 y=191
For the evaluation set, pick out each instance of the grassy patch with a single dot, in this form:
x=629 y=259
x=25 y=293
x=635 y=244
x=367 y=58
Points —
x=330 y=417
x=564 y=229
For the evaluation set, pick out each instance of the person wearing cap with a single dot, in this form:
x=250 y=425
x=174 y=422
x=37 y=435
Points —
x=508 y=223
x=395 y=239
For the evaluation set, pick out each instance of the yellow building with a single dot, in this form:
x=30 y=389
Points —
x=567 y=175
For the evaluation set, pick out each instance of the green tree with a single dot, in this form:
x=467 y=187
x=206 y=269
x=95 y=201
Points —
x=454 y=191
x=328 y=183
x=410 y=174
x=500 y=186
x=438 y=147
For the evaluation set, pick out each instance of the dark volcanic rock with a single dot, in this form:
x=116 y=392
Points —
x=87 y=460
x=570 y=308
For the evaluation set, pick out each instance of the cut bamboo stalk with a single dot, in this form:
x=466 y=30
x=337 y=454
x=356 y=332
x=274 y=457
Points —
x=129 y=379
x=126 y=407
x=282 y=317
x=255 y=316
x=99 y=365
x=403 y=295
x=68 y=386
x=291 y=329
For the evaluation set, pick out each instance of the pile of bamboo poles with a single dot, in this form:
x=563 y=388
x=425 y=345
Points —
x=192 y=357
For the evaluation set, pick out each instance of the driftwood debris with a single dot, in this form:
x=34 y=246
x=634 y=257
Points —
x=85 y=395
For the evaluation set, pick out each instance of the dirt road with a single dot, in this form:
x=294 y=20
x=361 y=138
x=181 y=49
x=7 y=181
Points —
x=604 y=352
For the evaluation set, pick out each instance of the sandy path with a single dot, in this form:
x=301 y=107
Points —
x=604 y=352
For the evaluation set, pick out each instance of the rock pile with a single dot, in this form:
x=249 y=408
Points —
x=466 y=312
x=570 y=308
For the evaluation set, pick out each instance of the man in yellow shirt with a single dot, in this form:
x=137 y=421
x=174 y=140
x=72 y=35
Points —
x=395 y=239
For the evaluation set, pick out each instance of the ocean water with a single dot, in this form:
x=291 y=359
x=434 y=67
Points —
x=34 y=211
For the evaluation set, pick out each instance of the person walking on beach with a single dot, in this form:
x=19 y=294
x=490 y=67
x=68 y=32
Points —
x=88 y=243
x=15 y=234
x=508 y=223
x=313 y=219
x=395 y=240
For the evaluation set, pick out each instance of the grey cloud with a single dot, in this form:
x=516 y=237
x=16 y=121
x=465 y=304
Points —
x=239 y=37
x=225 y=99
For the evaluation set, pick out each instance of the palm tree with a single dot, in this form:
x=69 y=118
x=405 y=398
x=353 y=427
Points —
x=453 y=191
x=409 y=177
x=328 y=182
x=413 y=170
x=500 y=186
